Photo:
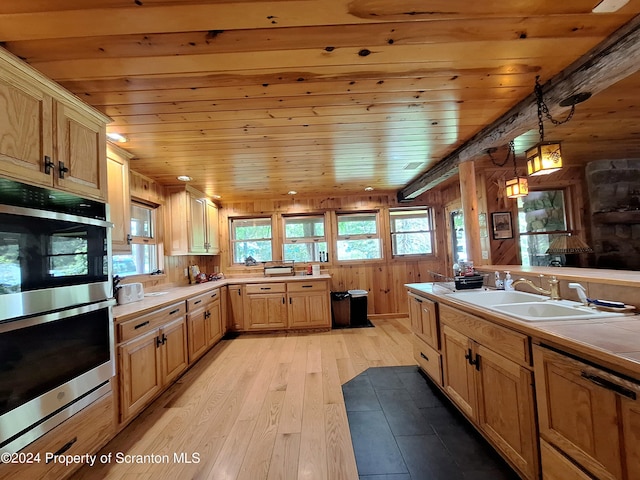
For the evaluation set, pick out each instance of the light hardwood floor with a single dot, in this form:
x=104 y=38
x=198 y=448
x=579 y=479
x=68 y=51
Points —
x=260 y=407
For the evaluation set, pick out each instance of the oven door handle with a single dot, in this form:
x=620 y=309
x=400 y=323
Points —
x=11 y=325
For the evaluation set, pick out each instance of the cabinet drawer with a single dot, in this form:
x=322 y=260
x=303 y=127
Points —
x=202 y=299
x=511 y=344
x=144 y=323
x=83 y=433
x=306 y=286
x=429 y=360
x=266 y=288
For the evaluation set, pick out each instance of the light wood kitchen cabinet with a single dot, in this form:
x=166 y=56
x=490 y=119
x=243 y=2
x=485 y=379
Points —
x=192 y=222
x=81 y=165
x=494 y=391
x=308 y=304
x=47 y=136
x=265 y=306
x=589 y=414
x=153 y=354
x=204 y=321
x=119 y=198
x=84 y=433
x=235 y=307
x=424 y=319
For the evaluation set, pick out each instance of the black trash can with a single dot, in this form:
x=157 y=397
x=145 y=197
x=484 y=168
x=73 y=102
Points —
x=340 y=309
x=358 y=304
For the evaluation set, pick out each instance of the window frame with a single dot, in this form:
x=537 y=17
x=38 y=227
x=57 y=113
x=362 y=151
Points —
x=233 y=241
x=298 y=240
x=368 y=236
x=158 y=261
x=431 y=231
x=568 y=220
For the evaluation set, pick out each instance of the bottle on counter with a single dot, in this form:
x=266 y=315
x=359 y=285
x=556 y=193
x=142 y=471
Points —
x=499 y=284
x=508 y=281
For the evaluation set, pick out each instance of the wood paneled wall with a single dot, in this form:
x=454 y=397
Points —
x=384 y=279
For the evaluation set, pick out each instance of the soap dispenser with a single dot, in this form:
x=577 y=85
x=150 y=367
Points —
x=508 y=281
x=499 y=284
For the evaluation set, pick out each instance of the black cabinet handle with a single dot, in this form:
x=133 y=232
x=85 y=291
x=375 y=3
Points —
x=290 y=301
x=283 y=300
x=476 y=362
x=48 y=165
x=164 y=339
x=417 y=300
x=307 y=286
x=197 y=302
x=265 y=288
x=140 y=325
x=158 y=341
x=129 y=239
x=63 y=449
x=62 y=169
x=239 y=291
x=468 y=356
x=207 y=314
x=424 y=356
x=174 y=311
x=214 y=295
x=609 y=385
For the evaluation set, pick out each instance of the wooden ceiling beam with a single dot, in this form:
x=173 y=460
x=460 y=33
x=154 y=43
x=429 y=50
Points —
x=613 y=60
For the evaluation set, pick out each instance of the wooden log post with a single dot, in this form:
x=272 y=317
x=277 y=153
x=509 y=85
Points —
x=469 y=198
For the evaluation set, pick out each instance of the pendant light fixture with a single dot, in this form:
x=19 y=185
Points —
x=517 y=186
x=546 y=157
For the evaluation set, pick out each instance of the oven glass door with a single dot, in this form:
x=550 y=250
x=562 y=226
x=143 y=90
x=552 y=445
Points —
x=39 y=253
x=41 y=353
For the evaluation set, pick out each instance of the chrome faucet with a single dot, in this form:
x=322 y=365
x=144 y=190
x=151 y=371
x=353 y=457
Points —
x=554 y=289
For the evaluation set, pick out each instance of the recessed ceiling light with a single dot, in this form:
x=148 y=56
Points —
x=217 y=197
x=368 y=189
x=116 y=137
x=609 y=6
x=184 y=178
x=291 y=192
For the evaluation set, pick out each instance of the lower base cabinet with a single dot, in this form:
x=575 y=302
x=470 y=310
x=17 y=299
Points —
x=84 y=433
x=204 y=321
x=152 y=359
x=589 y=414
x=494 y=391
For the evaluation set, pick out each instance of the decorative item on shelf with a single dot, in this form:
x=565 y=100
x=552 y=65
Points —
x=517 y=186
x=250 y=261
x=546 y=157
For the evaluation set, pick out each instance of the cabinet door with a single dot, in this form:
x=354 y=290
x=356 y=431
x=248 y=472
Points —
x=212 y=242
x=80 y=159
x=119 y=201
x=140 y=372
x=459 y=380
x=631 y=430
x=506 y=408
x=26 y=130
x=197 y=333
x=308 y=310
x=197 y=212
x=266 y=311
x=235 y=307
x=424 y=319
x=174 y=349
x=214 y=322
x=577 y=413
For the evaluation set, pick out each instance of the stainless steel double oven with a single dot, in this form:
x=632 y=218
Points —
x=56 y=325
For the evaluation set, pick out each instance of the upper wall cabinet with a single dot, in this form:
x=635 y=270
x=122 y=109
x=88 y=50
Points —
x=119 y=199
x=192 y=222
x=48 y=136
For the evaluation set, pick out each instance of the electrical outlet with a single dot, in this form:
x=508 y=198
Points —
x=485 y=255
x=186 y=272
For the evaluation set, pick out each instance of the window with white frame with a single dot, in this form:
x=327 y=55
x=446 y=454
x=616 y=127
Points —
x=144 y=250
x=358 y=236
x=411 y=231
x=251 y=237
x=304 y=238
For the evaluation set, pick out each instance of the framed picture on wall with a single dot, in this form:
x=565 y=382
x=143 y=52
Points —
x=502 y=227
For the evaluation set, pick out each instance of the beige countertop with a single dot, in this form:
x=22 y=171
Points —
x=154 y=300
x=611 y=342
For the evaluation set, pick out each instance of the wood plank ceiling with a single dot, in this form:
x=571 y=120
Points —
x=326 y=97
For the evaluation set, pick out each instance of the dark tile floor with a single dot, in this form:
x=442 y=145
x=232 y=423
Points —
x=404 y=428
